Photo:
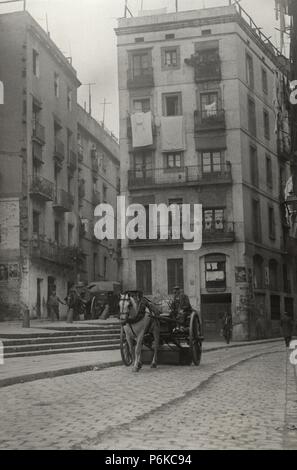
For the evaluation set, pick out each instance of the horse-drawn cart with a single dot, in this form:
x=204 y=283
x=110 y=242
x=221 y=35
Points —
x=180 y=342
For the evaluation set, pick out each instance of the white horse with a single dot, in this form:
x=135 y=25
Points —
x=139 y=317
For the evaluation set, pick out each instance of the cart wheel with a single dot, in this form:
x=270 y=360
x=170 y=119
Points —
x=125 y=350
x=195 y=339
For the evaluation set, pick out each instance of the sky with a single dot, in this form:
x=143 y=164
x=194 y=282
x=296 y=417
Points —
x=84 y=30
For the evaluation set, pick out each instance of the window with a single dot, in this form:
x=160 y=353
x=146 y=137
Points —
x=273 y=275
x=70 y=184
x=172 y=105
x=209 y=104
x=282 y=179
x=175 y=202
x=143 y=165
x=140 y=64
x=169 y=36
x=256 y=221
x=139 y=39
x=271 y=223
x=175 y=274
x=258 y=272
x=36 y=222
x=104 y=192
x=35 y=63
x=173 y=161
x=70 y=235
x=252 y=117
x=215 y=271
x=275 y=307
x=249 y=71
x=144 y=276
x=254 y=165
x=205 y=32
x=269 y=180
x=142 y=105
x=266 y=125
x=212 y=162
x=57 y=85
x=57 y=232
x=69 y=99
x=170 y=57
x=264 y=81
x=213 y=220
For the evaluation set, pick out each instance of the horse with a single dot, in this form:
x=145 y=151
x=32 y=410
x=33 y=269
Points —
x=138 y=318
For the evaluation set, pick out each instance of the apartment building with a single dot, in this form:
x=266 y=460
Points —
x=99 y=182
x=42 y=196
x=198 y=96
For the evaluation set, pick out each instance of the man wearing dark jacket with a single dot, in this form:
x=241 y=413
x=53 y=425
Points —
x=181 y=305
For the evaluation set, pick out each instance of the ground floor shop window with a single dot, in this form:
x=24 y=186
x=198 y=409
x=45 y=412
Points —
x=215 y=271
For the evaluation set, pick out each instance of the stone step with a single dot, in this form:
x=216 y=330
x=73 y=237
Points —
x=63 y=351
x=60 y=339
x=58 y=333
x=53 y=346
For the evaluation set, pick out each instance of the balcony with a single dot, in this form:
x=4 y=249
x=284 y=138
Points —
x=226 y=234
x=186 y=176
x=41 y=189
x=208 y=70
x=284 y=148
x=54 y=253
x=63 y=201
x=59 y=152
x=156 y=242
x=80 y=153
x=38 y=133
x=143 y=78
x=72 y=161
x=209 y=120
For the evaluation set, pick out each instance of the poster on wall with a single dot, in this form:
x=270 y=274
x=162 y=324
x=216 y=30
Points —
x=240 y=274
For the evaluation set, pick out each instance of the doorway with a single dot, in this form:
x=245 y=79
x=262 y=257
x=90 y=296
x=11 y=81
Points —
x=51 y=282
x=38 y=301
x=213 y=308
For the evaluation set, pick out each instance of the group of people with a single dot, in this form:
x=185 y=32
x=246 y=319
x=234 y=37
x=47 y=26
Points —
x=73 y=301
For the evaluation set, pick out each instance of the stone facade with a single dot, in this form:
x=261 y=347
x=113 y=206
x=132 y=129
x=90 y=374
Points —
x=231 y=164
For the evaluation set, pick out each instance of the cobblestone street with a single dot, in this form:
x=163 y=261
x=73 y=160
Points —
x=239 y=398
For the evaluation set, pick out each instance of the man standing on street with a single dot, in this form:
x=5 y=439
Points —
x=287 y=328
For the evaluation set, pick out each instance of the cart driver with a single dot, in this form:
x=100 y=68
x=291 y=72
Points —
x=181 y=304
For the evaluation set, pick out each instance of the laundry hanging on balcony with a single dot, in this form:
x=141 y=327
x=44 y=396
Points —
x=211 y=109
x=172 y=133
x=142 y=134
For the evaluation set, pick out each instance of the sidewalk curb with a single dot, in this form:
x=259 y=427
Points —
x=106 y=365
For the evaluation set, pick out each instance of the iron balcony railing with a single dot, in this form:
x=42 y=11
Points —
x=41 y=188
x=55 y=253
x=38 y=132
x=179 y=176
x=224 y=233
x=209 y=120
x=140 y=78
x=63 y=201
x=208 y=70
x=59 y=152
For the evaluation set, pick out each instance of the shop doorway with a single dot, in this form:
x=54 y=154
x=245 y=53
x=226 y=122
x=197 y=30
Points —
x=213 y=308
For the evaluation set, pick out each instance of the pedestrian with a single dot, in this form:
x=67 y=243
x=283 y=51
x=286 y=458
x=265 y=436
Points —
x=53 y=304
x=287 y=328
x=72 y=303
x=181 y=305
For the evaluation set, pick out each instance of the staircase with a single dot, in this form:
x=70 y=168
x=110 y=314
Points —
x=62 y=340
